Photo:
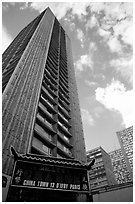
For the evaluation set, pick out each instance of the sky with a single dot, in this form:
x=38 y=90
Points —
x=102 y=45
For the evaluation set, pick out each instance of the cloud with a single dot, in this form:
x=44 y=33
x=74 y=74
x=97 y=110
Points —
x=92 y=47
x=60 y=8
x=91 y=83
x=84 y=62
x=6 y=38
x=114 y=23
x=114 y=44
x=87 y=118
x=80 y=36
x=98 y=111
x=92 y=22
x=124 y=66
x=124 y=28
x=115 y=97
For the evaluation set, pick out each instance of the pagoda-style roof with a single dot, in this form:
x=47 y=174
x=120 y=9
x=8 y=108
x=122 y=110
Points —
x=52 y=160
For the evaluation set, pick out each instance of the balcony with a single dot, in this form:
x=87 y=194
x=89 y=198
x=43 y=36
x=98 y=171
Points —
x=53 y=61
x=40 y=149
x=55 y=76
x=52 y=47
x=63 y=117
x=64 y=72
x=47 y=73
x=46 y=92
x=65 y=129
x=46 y=112
x=63 y=103
x=49 y=88
x=65 y=112
x=47 y=103
x=63 y=136
x=64 y=120
x=53 y=52
x=63 y=76
x=64 y=92
x=63 y=81
x=64 y=149
x=42 y=133
x=61 y=95
x=49 y=81
x=44 y=123
x=64 y=87
x=53 y=66
x=63 y=63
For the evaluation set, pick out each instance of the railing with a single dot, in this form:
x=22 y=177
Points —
x=65 y=149
x=42 y=132
x=44 y=121
x=63 y=117
x=44 y=109
x=47 y=101
x=63 y=136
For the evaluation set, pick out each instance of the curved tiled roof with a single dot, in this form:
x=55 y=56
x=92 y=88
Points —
x=51 y=160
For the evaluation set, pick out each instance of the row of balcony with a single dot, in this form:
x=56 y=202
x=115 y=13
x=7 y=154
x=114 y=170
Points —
x=47 y=119
x=51 y=90
x=53 y=64
x=51 y=102
x=42 y=136
x=63 y=148
x=46 y=135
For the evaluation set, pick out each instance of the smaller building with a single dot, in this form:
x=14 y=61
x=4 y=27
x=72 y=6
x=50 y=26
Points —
x=120 y=169
x=126 y=142
x=101 y=173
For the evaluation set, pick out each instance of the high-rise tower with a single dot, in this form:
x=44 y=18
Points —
x=41 y=114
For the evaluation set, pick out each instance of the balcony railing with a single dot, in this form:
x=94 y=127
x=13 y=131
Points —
x=65 y=128
x=64 y=110
x=47 y=92
x=63 y=118
x=63 y=148
x=42 y=132
x=63 y=136
x=45 y=110
x=47 y=101
x=44 y=121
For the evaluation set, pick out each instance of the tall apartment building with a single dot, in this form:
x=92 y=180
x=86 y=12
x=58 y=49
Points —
x=101 y=173
x=125 y=138
x=41 y=116
x=120 y=169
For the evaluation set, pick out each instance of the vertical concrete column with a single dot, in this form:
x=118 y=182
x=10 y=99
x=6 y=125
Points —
x=20 y=98
x=76 y=121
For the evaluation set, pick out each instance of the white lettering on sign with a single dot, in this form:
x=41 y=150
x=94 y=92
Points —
x=62 y=185
x=29 y=183
x=43 y=184
x=74 y=187
x=52 y=185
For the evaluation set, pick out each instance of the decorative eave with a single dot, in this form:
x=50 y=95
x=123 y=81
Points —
x=52 y=160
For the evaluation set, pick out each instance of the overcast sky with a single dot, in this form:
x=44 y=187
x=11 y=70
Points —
x=101 y=37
